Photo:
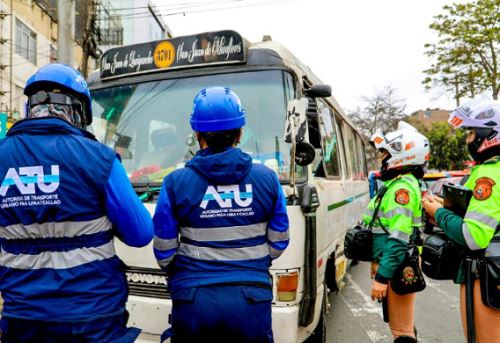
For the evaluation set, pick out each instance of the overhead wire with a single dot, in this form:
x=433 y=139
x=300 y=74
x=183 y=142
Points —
x=147 y=14
x=175 y=5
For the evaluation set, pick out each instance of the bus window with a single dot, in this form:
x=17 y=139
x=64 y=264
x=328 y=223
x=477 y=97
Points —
x=352 y=149
x=340 y=130
x=329 y=142
x=361 y=157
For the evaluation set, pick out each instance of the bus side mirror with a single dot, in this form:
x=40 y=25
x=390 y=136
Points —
x=319 y=91
x=296 y=120
x=304 y=153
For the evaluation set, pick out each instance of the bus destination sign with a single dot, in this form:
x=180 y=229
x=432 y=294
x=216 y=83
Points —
x=219 y=47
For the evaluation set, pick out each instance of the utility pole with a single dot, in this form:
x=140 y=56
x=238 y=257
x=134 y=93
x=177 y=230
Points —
x=66 y=31
x=3 y=41
x=11 y=62
x=88 y=36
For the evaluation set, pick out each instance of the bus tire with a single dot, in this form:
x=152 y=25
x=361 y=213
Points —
x=331 y=274
x=319 y=333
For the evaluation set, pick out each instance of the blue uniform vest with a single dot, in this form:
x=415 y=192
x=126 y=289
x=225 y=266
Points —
x=232 y=221
x=57 y=258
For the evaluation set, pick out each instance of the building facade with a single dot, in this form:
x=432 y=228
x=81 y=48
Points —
x=141 y=20
x=28 y=41
x=429 y=116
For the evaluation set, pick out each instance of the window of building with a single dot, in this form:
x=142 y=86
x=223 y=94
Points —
x=25 y=42
x=53 y=54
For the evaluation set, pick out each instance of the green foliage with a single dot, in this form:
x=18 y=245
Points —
x=448 y=147
x=466 y=55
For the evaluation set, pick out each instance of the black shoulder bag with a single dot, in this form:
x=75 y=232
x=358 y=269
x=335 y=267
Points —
x=358 y=242
x=441 y=257
x=408 y=277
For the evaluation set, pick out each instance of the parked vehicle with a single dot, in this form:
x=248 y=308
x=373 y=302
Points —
x=142 y=98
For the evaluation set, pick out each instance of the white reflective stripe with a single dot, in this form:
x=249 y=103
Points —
x=482 y=218
x=58 y=259
x=274 y=253
x=395 y=211
x=166 y=261
x=493 y=249
x=368 y=212
x=400 y=235
x=55 y=229
x=224 y=254
x=276 y=236
x=417 y=221
x=471 y=243
x=165 y=244
x=220 y=234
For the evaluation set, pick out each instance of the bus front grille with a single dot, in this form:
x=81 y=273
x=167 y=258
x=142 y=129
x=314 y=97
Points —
x=147 y=282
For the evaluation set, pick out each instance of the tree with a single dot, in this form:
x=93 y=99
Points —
x=466 y=55
x=448 y=147
x=382 y=111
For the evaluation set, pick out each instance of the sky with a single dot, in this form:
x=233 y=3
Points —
x=356 y=46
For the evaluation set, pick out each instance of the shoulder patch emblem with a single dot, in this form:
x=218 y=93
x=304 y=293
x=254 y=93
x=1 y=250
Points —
x=402 y=196
x=482 y=191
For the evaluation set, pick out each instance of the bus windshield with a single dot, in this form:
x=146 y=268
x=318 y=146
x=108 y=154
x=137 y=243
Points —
x=148 y=123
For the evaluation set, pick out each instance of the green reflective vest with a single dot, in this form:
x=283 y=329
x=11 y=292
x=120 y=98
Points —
x=483 y=212
x=400 y=210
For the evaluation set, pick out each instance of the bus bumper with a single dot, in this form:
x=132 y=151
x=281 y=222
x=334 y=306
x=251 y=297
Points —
x=151 y=315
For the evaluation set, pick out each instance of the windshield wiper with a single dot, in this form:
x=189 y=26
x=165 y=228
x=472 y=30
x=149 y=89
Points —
x=146 y=190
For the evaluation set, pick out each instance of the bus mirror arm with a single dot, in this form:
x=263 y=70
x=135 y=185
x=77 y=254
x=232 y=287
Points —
x=319 y=91
x=295 y=130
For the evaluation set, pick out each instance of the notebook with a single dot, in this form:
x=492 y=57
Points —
x=456 y=198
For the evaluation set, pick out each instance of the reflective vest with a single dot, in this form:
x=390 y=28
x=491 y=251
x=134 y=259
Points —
x=483 y=212
x=400 y=210
x=57 y=258
x=231 y=217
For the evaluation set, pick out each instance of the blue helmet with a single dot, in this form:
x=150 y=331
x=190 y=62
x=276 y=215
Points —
x=217 y=109
x=56 y=75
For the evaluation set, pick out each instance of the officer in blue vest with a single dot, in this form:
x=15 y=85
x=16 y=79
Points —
x=231 y=217
x=63 y=199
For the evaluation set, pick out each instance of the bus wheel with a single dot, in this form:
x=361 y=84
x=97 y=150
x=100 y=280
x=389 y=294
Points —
x=331 y=274
x=319 y=333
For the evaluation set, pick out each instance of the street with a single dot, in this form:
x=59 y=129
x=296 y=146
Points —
x=355 y=318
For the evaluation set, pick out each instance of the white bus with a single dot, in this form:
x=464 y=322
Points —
x=142 y=100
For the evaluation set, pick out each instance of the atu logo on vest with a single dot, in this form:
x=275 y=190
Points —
x=27 y=177
x=225 y=194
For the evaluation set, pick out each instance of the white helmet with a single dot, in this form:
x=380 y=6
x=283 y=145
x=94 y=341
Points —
x=484 y=116
x=406 y=146
x=477 y=114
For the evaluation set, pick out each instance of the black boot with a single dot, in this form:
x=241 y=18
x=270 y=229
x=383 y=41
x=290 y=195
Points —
x=405 y=339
